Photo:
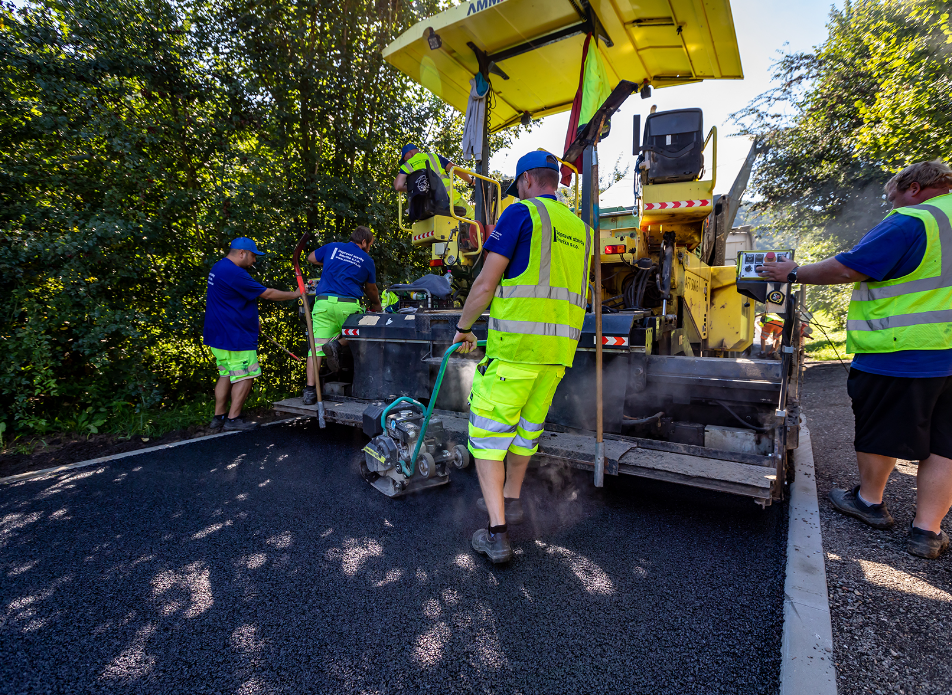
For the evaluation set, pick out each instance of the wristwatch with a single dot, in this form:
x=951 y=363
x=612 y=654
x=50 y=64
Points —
x=463 y=330
x=792 y=275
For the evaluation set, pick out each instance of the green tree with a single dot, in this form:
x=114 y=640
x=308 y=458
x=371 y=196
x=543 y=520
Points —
x=841 y=120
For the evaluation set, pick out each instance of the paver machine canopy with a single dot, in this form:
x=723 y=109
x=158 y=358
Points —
x=531 y=49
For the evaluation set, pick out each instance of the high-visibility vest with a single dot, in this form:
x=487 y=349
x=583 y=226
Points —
x=771 y=320
x=913 y=312
x=536 y=317
x=419 y=161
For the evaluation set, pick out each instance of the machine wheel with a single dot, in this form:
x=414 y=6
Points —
x=461 y=457
x=367 y=474
x=425 y=465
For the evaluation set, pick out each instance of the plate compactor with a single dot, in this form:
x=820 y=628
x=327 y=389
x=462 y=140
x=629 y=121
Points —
x=409 y=449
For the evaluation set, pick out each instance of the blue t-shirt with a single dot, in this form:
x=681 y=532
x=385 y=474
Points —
x=512 y=237
x=346 y=268
x=231 y=308
x=890 y=250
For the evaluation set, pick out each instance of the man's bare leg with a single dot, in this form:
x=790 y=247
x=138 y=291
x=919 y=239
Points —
x=934 y=494
x=222 y=391
x=311 y=379
x=492 y=479
x=239 y=392
x=874 y=471
x=516 y=466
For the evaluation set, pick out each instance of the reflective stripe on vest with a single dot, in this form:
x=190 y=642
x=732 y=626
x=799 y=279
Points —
x=865 y=293
x=912 y=312
x=535 y=328
x=560 y=310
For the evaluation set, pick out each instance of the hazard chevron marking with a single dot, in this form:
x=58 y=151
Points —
x=614 y=340
x=676 y=204
x=351 y=331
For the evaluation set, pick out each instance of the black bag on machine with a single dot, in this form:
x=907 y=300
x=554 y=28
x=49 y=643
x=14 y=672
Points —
x=428 y=196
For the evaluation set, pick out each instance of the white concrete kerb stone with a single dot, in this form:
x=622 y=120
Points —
x=807 y=646
x=127 y=454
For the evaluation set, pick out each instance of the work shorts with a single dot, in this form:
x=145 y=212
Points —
x=901 y=417
x=237 y=365
x=508 y=407
x=328 y=316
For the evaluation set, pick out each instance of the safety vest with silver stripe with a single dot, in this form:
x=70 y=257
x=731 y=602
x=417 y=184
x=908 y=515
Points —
x=913 y=312
x=419 y=161
x=536 y=317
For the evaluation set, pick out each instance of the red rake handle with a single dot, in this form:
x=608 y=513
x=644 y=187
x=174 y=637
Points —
x=296 y=260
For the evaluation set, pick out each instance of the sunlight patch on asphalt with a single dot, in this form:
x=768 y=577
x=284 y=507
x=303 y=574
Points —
x=133 y=663
x=431 y=644
x=593 y=578
x=892 y=578
x=354 y=553
x=392 y=576
x=209 y=530
x=281 y=540
x=193 y=580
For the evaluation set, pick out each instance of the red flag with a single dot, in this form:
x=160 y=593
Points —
x=574 y=117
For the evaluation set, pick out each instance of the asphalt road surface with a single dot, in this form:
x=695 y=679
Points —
x=261 y=563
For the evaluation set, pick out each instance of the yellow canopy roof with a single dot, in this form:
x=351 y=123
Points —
x=538 y=45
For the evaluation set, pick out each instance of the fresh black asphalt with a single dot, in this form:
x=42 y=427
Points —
x=261 y=563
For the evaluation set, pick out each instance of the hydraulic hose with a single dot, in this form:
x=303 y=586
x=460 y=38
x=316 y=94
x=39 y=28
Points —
x=408 y=468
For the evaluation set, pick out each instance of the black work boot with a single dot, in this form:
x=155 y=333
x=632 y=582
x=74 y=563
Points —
x=239 y=423
x=217 y=422
x=495 y=546
x=514 y=513
x=309 y=395
x=849 y=503
x=927 y=544
x=332 y=352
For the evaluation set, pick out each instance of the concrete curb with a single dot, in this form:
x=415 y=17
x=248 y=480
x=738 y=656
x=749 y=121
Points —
x=807 y=646
x=115 y=457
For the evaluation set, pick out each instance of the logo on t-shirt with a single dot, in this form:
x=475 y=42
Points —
x=347 y=257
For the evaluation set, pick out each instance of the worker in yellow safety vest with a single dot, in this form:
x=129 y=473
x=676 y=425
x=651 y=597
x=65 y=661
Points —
x=899 y=327
x=771 y=328
x=412 y=159
x=536 y=275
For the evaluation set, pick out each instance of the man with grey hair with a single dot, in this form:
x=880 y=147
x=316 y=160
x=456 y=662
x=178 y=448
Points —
x=900 y=328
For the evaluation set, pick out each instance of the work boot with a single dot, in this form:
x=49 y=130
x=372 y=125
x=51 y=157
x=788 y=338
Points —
x=332 y=352
x=238 y=424
x=927 y=544
x=849 y=503
x=217 y=423
x=493 y=545
x=514 y=513
x=310 y=395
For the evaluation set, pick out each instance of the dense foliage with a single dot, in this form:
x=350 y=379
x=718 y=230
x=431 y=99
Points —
x=874 y=97
x=137 y=138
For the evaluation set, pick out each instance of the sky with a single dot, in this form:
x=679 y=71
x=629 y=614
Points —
x=765 y=29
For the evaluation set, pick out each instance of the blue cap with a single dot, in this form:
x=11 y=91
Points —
x=539 y=159
x=243 y=243
x=407 y=148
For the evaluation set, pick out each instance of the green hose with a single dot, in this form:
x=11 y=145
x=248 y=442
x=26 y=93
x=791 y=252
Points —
x=408 y=468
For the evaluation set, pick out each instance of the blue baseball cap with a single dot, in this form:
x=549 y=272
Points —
x=538 y=159
x=407 y=148
x=243 y=243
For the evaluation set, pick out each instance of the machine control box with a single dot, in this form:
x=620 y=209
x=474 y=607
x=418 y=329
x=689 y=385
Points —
x=747 y=262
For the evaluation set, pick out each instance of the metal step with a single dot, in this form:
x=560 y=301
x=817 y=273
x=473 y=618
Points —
x=687 y=465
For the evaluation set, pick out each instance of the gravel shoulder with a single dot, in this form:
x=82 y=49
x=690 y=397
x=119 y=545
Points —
x=261 y=563
x=891 y=612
